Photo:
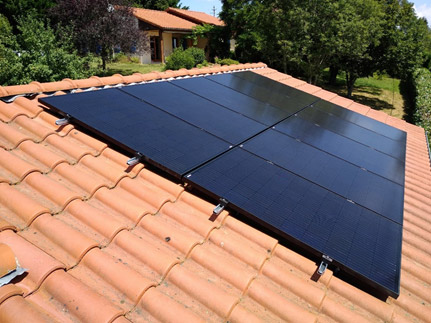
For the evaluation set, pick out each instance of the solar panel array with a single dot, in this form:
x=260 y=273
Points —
x=324 y=177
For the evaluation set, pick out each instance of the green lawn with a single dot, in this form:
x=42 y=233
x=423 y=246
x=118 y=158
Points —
x=379 y=92
x=130 y=68
x=126 y=67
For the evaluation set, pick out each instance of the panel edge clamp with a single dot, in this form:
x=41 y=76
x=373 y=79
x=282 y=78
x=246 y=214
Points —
x=324 y=264
x=64 y=121
x=134 y=160
x=218 y=209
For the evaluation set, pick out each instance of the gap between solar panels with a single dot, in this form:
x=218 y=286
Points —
x=326 y=178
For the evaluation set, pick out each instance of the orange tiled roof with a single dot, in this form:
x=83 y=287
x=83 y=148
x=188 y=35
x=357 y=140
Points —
x=163 y=19
x=102 y=242
x=196 y=16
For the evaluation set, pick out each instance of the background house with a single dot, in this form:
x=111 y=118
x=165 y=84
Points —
x=169 y=29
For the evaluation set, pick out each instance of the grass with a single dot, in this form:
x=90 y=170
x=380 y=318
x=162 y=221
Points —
x=125 y=67
x=379 y=92
x=130 y=68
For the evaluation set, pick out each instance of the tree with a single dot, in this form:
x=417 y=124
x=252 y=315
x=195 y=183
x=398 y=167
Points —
x=10 y=65
x=359 y=31
x=218 y=39
x=405 y=39
x=12 y=9
x=159 y=4
x=241 y=19
x=302 y=33
x=100 y=26
x=37 y=53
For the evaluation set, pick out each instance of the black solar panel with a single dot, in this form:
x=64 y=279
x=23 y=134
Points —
x=343 y=147
x=326 y=178
x=204 y=114
x=168 y=142
x=274 y=93
x=358 y=239
x=373 y=134
x=236 y=101
x=332 y=173
x=365 y=122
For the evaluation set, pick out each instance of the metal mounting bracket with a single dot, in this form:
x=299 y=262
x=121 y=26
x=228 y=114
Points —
x=218 y=209
x=324 y=264
x=134 y=160
x=64 y=121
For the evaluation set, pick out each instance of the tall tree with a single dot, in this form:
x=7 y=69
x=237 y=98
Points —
x=404 y=41
x=13 y=9
x=159 y=4
x=241 y=18
x=359 y=30
x=99 y=26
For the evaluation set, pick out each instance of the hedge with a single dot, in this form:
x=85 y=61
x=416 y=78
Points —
x=422 y=89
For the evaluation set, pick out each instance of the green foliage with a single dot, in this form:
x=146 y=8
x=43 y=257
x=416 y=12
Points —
x=226 y=61
x=198 y=54
x=188 y=58
x=100 y=25
x=37 y=53
x=357 y=37
x=179 y=59
x=422 y=89
x=10 y=64
x=13 y=9
x=218 y=39
x=405 y=39
x=123 y=58
x=204 y=64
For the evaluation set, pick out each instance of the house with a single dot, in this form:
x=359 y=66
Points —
x=104 y=242
x=169 y=29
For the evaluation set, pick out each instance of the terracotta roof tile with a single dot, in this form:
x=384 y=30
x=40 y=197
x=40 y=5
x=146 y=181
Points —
x=17 y=208
x=196 y=16
x=39 y=265
x=4 y=225
x=200 y=290
x=13 y=169
x=65 y=298
x=106 y=242
x=156 y=306
x=163 y=19
x=18 y=306
x=8 y=262
x=58 y=239
x=9 y=290
x=111 y=278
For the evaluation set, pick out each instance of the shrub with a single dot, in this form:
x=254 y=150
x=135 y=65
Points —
x=179 y=59
x=37 y=53
x=422 y=91
x=120 y=58
x=204 y=64
x=198 y=54
x=226 y=61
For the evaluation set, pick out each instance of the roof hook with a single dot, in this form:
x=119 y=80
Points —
x=324 y=264
x=218 y=209
x=63 y=122
x=134 y=160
